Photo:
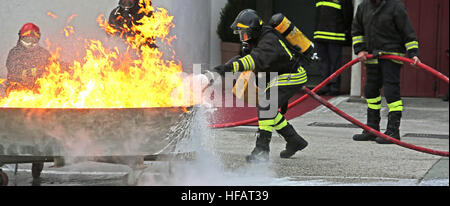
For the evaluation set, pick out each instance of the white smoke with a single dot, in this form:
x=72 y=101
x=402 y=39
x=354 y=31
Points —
x=207 y=169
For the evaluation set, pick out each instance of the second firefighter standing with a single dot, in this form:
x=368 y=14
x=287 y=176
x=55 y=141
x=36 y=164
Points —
x=383 y=27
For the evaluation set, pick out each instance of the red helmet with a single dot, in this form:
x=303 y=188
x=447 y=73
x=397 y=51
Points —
x=30 y=30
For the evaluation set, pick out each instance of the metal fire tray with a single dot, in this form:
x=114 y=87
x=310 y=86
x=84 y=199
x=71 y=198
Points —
x=91 y=132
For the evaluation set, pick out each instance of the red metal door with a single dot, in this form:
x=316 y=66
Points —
x=430 y=21
x=443 y=45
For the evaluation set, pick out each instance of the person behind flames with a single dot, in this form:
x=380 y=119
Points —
x=383 y=27
x=268 y=52
x=126 y=15
x=26 y=62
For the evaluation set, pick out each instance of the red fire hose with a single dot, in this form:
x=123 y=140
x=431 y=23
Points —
x=372 y=131
x=333 y=76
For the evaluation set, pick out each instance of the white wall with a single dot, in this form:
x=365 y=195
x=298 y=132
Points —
x=355 y=87
x=192 y=20
x=192 y=28
x=216 y=8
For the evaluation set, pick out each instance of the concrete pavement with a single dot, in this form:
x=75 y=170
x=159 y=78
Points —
x=333 y=157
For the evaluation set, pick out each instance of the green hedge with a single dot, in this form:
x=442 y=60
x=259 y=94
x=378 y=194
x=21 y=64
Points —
x=228 y=15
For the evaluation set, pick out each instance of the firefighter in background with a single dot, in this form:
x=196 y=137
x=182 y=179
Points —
x=26 y=62
x=383 y=27
x=270 y=52
x=127 y=14
x=332 y=32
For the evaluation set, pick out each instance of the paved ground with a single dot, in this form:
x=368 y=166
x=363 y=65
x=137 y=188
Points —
x=332 y=158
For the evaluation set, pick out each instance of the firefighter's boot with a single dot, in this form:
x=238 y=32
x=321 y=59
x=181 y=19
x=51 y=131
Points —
x=294 y=141
x=373 y=121
x=262 y=148
x=393 y=128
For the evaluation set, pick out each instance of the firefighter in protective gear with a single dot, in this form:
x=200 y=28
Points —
x=126 y=15
x=26 y=62
x=383 y=27
x=332 y=32
x=269 y=53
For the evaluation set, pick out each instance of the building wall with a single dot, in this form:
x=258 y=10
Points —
x=192 y=20
x=192 y=28
x=215 y=49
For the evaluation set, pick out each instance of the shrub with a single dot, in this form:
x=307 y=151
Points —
x=227 y=17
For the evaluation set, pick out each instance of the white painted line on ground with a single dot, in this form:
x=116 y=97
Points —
x=53 y=172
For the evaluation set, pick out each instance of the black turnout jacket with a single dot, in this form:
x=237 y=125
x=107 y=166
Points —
x=384 y=28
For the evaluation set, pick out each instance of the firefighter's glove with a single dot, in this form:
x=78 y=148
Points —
x=222 y=69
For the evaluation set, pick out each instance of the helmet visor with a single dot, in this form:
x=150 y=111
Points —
x=126 y=4
x=243 y=35
x=29 y=42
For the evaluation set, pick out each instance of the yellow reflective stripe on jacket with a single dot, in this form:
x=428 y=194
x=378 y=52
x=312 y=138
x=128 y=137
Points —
x=301 y=73
x=287 y=82
x=249 y=66
x=396 y=106
x=251 y=62
x=330 y=4
x=287 y=50
x=329 y=35
x=236 y=67
x=244 y=63
x=412 y=45
x=290 y=79
x=358 y=40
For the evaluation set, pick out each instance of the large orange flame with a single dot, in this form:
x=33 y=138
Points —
x=108 y=79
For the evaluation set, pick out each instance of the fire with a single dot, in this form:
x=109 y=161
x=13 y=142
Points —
x=71 y=18
x=106 y=78
x=69 y=30
x=52 y=15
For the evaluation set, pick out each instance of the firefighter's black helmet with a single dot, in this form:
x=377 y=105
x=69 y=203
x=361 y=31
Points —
x=127 y=4
x=248 y=25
